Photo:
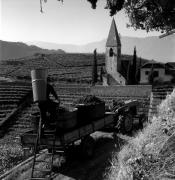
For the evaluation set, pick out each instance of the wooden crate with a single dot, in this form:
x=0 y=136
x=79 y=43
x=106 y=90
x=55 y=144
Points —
x=67 y=120
x=89 y=113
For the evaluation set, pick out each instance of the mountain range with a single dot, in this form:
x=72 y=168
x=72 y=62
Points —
x=152 y=48
x=12 y=50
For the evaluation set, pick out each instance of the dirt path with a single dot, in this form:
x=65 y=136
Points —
x=90 y=169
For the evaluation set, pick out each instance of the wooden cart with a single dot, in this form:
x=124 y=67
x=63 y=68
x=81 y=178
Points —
x=57 y=142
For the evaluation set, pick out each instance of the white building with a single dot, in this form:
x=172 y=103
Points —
x=162 y=72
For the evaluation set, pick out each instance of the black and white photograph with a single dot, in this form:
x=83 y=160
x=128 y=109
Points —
x=87 y=89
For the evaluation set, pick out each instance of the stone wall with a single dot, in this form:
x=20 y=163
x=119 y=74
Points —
x=117 y=90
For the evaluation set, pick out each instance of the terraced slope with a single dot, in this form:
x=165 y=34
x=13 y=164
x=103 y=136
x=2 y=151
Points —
x=159 y=93
x=12 y=95
x=24 y=120
x=68 y=93
x=65 y=67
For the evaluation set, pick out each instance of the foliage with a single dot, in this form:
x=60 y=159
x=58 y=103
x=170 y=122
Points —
x=132 y=70
x=101 y=74
x=151 y=15
x=150 y=76
x=89 y=100
x=173 y=80
x=141 y=158
x=138 y=71
x=129 y=74
x=94 y=68
x=144 y=14
x=10 y=155
x=134 y=67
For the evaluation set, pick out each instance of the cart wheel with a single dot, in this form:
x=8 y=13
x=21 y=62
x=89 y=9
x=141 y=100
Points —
x=127 y=123
x=87 y=144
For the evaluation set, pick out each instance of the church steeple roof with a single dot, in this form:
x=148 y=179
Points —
x=113 y=37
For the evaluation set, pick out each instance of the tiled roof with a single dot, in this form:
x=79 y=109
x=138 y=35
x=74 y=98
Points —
x=113 y=37
x=172 y=64
x=155 y=65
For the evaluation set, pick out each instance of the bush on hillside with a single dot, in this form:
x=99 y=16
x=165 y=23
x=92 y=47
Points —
x=10 y=155
x=141 y=157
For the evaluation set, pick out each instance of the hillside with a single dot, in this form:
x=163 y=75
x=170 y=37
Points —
x=149 y=48
x=12 y=50
x=68 y=67
x=150 y=154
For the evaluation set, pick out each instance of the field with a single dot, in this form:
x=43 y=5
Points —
x=11 y=96
x=70 y=68
x=61 y=67
x=71 y=74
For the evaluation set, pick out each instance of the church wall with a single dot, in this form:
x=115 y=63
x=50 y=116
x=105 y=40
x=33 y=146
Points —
x=113 y=62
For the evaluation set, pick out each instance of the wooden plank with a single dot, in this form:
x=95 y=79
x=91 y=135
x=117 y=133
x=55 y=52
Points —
x=109 y=119
x=88 y=129
x=99 y=124
x=71 y=136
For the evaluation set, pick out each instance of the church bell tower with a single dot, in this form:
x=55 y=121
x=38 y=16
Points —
x=113 y=50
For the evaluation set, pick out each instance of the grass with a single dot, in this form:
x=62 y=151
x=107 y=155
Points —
x=10 y=154
x=24 y=172
x=145 y=156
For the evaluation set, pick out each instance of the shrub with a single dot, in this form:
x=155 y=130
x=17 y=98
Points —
x=10 y=155
x=140 y=158
x=173 y=80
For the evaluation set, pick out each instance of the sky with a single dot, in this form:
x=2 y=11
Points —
x=71 y=22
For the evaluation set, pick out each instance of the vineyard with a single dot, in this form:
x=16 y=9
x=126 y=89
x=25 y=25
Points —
x=70 y=68
x=61 y=67
x=71 y=76
x=12 y=95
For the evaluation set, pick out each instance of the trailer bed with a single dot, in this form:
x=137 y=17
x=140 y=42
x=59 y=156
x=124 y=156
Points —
x=29 y=138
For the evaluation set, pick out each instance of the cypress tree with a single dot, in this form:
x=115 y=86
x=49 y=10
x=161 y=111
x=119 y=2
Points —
x=138 y=71
x=94 y=68
x=129 y=74
x=134 y=67
x=101 y=74
x=151 y=75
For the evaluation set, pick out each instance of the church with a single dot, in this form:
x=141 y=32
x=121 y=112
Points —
x=115 y=66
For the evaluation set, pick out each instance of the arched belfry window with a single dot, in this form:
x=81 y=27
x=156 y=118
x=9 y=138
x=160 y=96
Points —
x=111 y=53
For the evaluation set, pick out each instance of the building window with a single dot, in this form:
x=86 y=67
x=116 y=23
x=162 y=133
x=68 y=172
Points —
x=111 y=53
x=146 y=72
x=156 y=73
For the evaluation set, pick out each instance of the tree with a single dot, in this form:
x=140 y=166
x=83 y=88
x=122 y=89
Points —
x=94 y=68
x=132 y=70
x=151 y=75
x=148 y=15
x=101 y=74
x=138 y=71
x=129 y=74
x=134 y=66
x=151 y=14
